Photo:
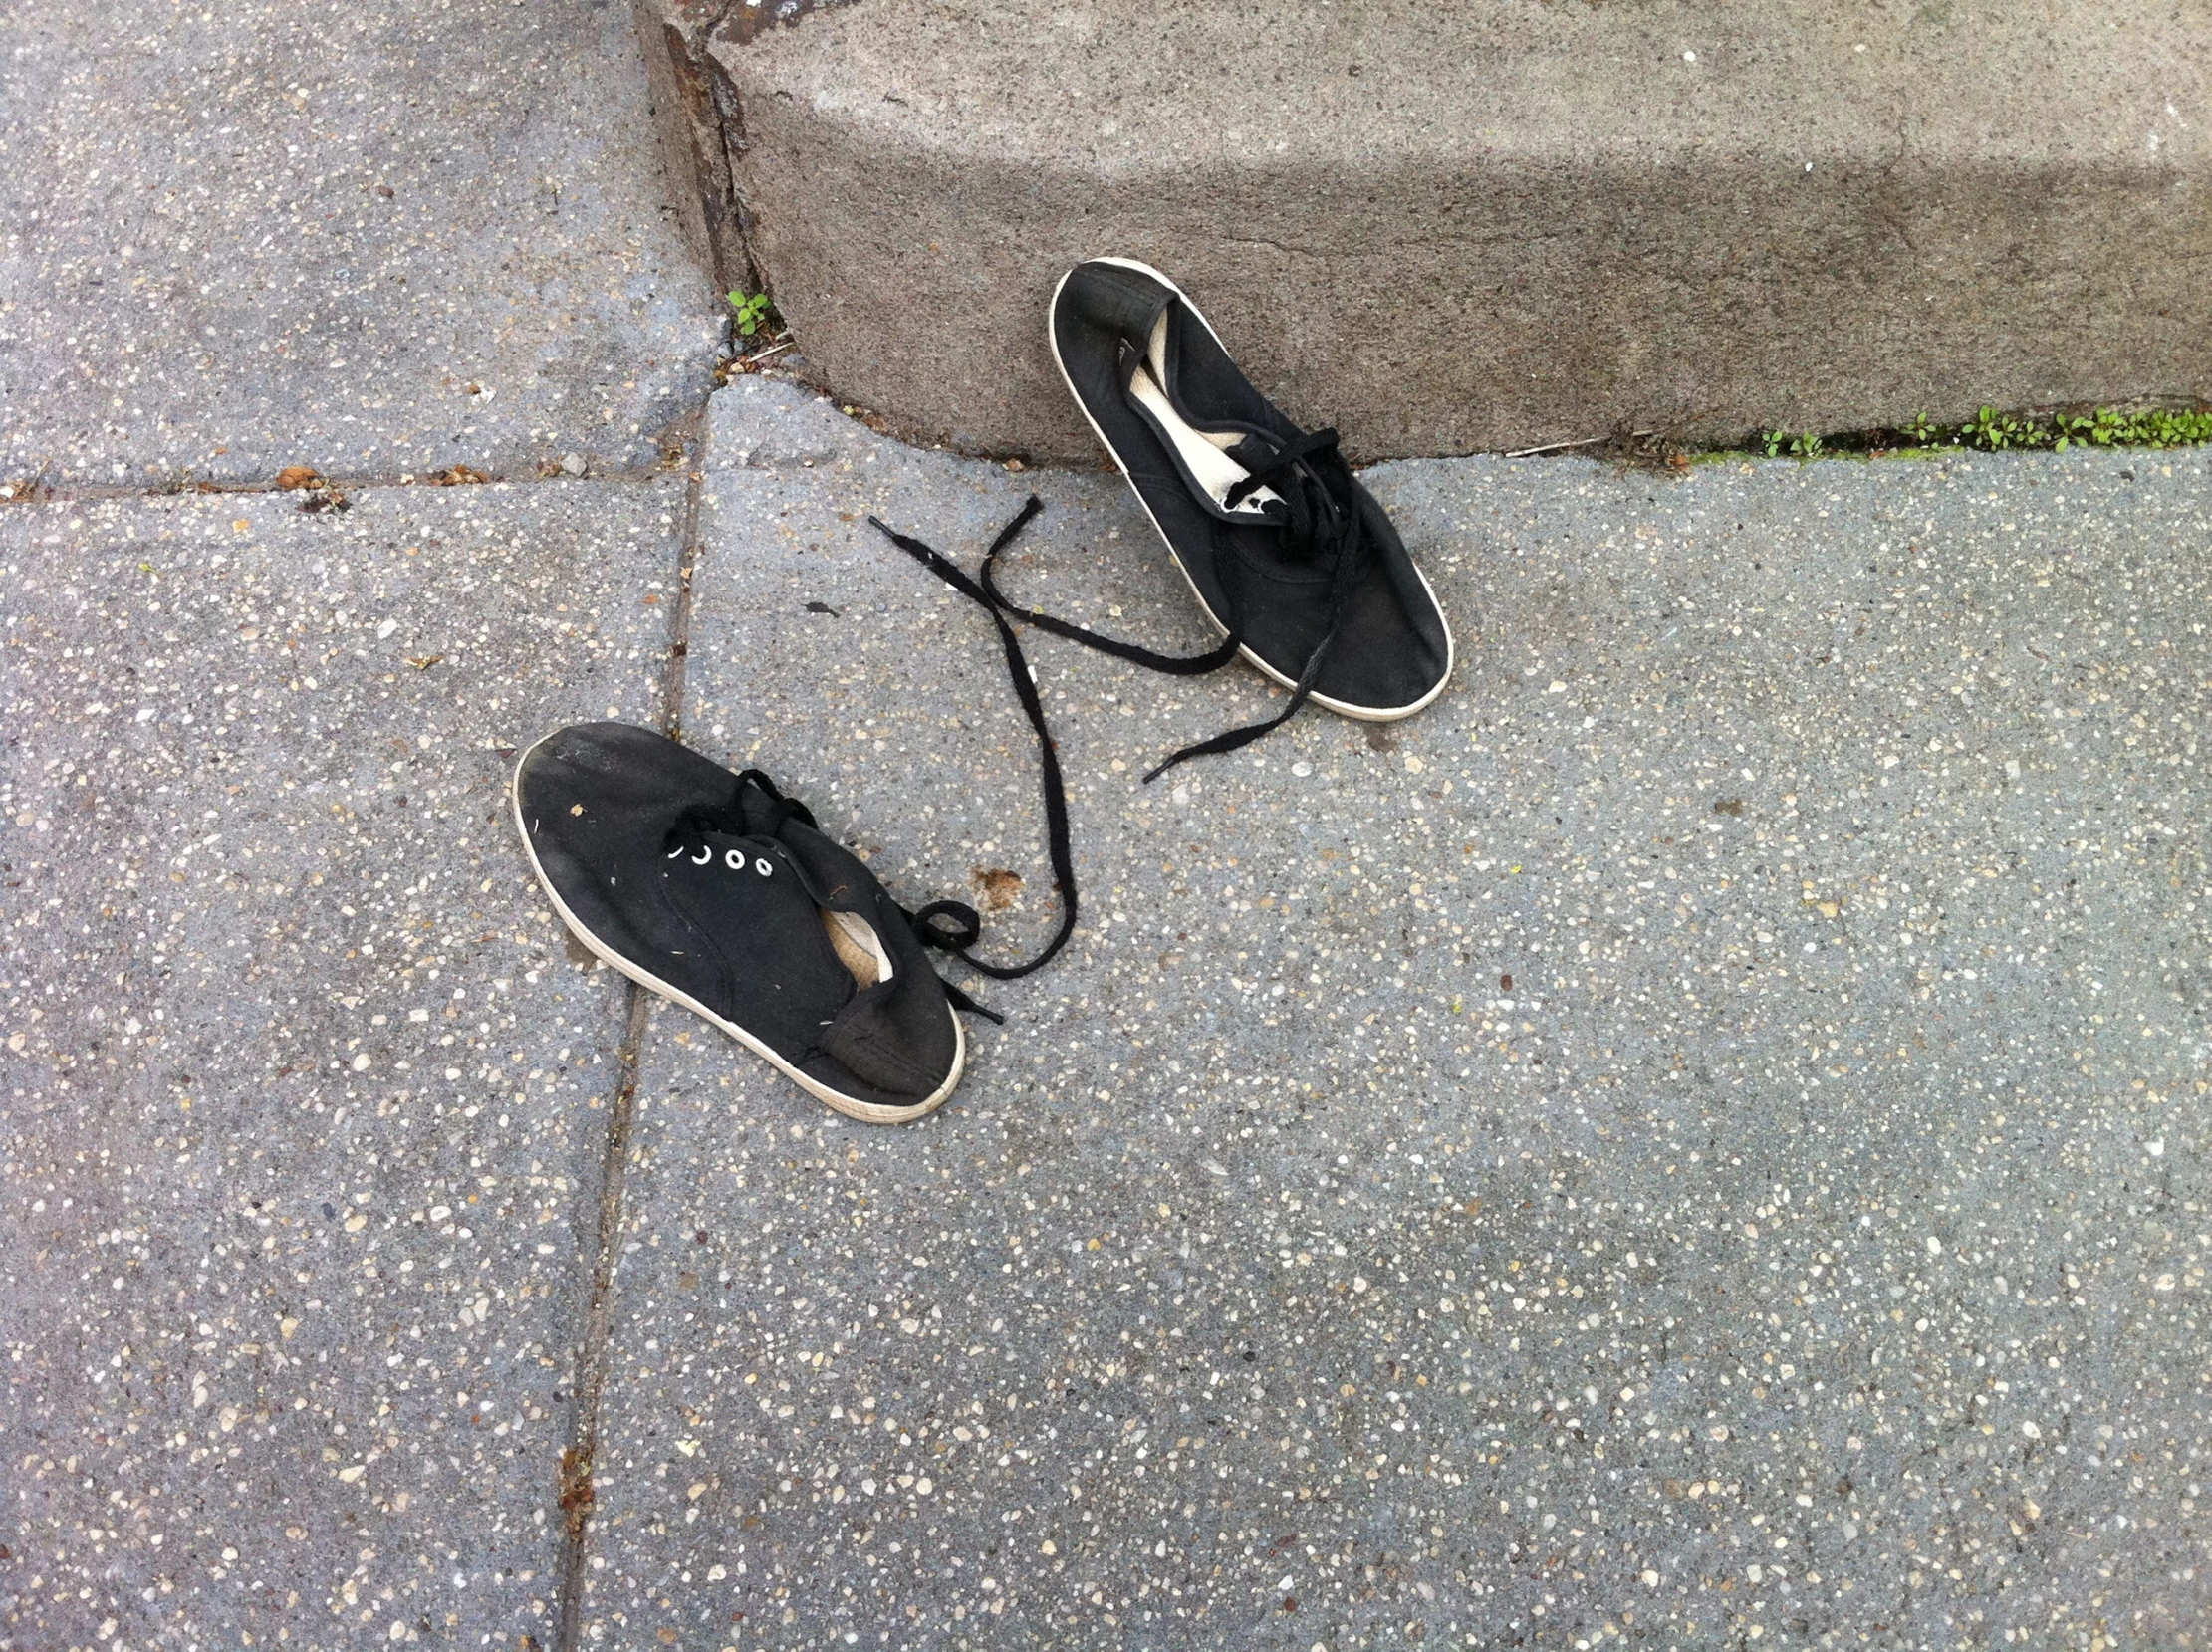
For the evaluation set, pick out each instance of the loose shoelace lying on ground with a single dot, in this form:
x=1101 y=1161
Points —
x=1313 y=524
x=927 y=925
x=1313 y=521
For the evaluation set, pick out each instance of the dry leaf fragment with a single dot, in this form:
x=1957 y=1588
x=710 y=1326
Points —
x=456 y=476
x=576 y=1482
x=998 y=886
x=423 y=662
x=294 y=478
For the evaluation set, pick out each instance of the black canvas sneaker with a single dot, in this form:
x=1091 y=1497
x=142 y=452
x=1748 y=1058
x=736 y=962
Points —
x=1287 y=553
x=718 y=892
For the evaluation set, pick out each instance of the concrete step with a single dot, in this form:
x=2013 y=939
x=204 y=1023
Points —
x=1456 y=228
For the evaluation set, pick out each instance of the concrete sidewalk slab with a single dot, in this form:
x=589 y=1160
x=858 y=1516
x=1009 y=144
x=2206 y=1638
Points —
x=376 y=239
x=1700 y=1132
x=302 y=1102
x=1444 y=229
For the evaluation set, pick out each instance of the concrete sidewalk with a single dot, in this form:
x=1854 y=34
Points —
x=1696 y=1138
x=376 y=239
x=305 y=1106
x=1700 y=1131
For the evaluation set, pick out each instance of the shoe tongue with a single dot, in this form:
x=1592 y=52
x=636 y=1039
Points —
x=829 y=874
x=1257 y=450
x=1202 y=456
x=759 y=815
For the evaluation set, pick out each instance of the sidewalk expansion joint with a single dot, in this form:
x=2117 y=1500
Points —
x=673 y=678
x=576 y=1461
x=322 y=491
x=34 y=492
x=577 y=1492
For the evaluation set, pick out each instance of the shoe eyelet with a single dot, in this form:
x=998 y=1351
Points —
x=763 y=868
x=734 y=859
x=704 y=856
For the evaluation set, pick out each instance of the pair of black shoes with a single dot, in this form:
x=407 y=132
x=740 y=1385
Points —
x=722 y=895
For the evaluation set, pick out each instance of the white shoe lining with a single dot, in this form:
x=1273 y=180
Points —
x=1200 y=450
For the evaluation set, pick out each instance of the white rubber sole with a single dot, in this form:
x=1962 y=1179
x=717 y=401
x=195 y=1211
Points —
x=1363 y=714
x=868 y=1112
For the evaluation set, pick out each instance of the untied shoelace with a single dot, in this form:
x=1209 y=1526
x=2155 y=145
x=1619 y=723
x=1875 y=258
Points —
x=1312 y=520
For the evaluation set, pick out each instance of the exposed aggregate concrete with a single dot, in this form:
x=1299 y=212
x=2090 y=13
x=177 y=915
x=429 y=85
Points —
x=376 y=239
x=301 y=1103
x=1696 y=1139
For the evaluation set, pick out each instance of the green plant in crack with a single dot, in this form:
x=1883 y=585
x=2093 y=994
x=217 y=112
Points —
x=1993 y=431
x=752 y=310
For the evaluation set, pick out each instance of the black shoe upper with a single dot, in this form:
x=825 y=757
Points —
x=1297 y=554
x=714 y=884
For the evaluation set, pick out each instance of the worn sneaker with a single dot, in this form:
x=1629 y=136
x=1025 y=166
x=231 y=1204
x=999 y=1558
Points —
x=1286 y=551
x=718 y=892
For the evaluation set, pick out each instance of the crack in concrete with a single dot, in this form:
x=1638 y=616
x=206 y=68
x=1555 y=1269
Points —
x=675 y=440
x=577 y=1494
x=576 y=1462
x=89 y=492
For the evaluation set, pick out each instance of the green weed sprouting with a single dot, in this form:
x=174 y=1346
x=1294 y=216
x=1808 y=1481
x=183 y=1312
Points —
x=752 y=310
x=1991 y=431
